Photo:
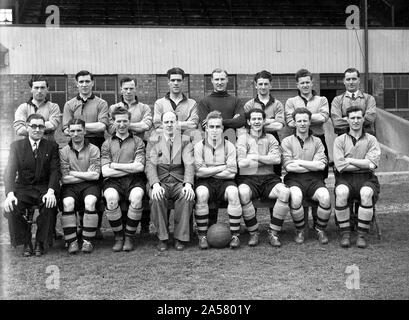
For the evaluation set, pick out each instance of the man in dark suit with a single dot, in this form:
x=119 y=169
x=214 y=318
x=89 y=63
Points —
x=31 y=179
x=170 y=172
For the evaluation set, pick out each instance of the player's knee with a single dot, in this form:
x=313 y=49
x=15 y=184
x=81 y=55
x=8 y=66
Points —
x=284 y=194
x=366 y=194
x=136 y=198
x=342 y=193
x=89 y=203
x=324 y=198
x=68 y=204
x=244 y=194
x=202 y=195
x=112 y=199
x=232 y=195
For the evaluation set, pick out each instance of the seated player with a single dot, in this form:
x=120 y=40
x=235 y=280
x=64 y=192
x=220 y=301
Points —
x=170 y=172
x=305 y=162
x=122 y=165
x=356 y=156
x=215 y=160
x=257 y=152
x=80 y=169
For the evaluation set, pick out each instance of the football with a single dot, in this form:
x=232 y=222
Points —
x=219 y=235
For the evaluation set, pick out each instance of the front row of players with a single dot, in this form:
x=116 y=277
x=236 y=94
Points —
x=174 y=165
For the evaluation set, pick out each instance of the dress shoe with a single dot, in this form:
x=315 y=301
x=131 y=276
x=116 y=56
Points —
x=39 y=249
x=162 y=246
x=128 y=244
x=179 y=246
x=87 y=246
x=253 y=241
x=345 y=241
x=235 y=242
x=73 y=247
x=299 y=236
x=273 y=239
x=322 y=237
x=361 y=241
x=203 y=243
x=28 y=249
x=118 y=245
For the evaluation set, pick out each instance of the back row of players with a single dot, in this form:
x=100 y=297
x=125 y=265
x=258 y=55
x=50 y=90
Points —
x=183 y=164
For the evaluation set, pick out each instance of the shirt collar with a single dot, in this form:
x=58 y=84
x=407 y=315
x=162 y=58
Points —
x=313 y=92
x=92 y=96
x=271 y=100
x=357 y=93
x=118 y=138
x=309 y=134
x=263 y=134
x=30 y=102
x=126 y=103
x=167 y=96
x=85 y=144
x=32 y=143
x=361 y=137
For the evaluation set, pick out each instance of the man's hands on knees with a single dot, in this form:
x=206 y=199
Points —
x=8 y=203
x=158 y=192
x=188 y=192
x=49 y=199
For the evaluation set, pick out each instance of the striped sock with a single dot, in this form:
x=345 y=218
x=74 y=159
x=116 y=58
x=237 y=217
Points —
x=132 y=221
x=280 y=211
x=90 y=224
x=298 y=217
x=69 y=226
x=365 y=214
x=343 y=216
x=323 y=215
x=202 y=218
x=234 y=217
x=249 y=217
x=115 y=220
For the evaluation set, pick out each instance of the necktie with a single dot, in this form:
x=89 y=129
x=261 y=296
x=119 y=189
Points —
x=353 y=96
x=170 y=149
x=35 y=150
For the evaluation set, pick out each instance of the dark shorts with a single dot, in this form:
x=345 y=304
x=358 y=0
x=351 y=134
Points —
x=79 y=191
x=308 y=182
x=260 y=186
x=356 y=180
x=216 y=187
x=124 y=185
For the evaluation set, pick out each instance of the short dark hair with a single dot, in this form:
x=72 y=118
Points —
x=76 y=121
x=175 y=70
x=120 y=110
x=219 y=70
x=176 y=115
x=354 y=109
x=34 y=116
x=302 y=73
x=351 y=70
x=302 y=111
x=263 y=75
x=83 y=73
x=126 y=79
x=255 y=110
x=35 y=78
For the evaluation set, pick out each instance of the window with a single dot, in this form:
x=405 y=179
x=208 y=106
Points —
x=162 y=86
x=6 y=16
x=105 y=87
x=57 y=90
x=396 y=91
x=283 y=87
x=231 y=85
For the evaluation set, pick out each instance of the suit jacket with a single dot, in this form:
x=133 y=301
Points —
x=161 y=164
x=45 y=170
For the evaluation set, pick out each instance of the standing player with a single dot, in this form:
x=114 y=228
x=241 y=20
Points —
x=39 y=104
x=353 y=97
x=140 y=124
x=170 y=171
x=176 y=101
x=80 y=168
x=356 y=156
x=122 y=165
x=94 y=111
x=272 y=107
x=304 y=160
x=257 y=152
x=215 y=160
x=317 y=105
